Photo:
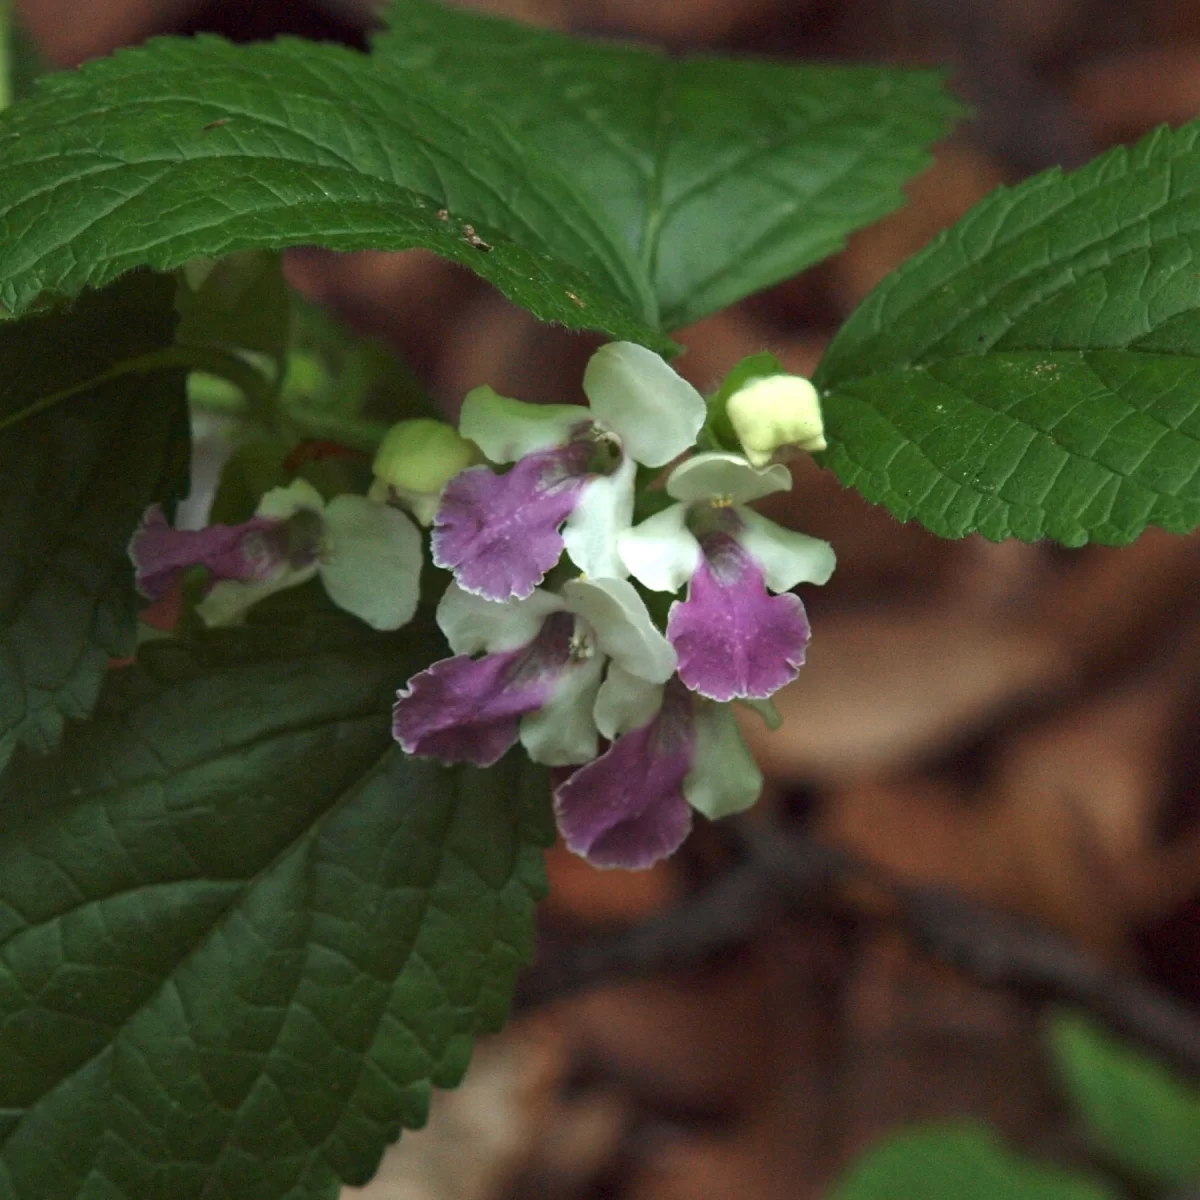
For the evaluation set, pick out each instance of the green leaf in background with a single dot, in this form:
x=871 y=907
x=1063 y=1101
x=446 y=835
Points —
x=1139 y=1113
x=345 y=386
x=239 y=303
x=1035 y=372
x=957 y=1162
x=75 y=476
x=21 y=60
x=192 y=147
x=724 y=176
x=243 y=935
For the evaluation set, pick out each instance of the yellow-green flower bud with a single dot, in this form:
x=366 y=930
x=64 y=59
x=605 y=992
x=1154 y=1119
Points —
x=416 y=459
x=774 y=413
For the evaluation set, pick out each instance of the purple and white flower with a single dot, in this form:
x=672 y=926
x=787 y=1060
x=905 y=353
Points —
x=573 y=483
x=538 y=677
x=367 y=555
x=671 y=752
x=735 y=638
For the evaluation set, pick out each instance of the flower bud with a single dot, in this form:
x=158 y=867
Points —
x=416 y=459
x=776 y=412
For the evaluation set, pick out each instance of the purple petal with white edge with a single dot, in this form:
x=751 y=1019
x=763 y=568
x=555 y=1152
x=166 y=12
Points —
x=627 y=808
x=655 y=412
x=733 y=638
x=729 y=476
x=469 y=709
x=604 y=510
x=161 y=553
x=499 y=534
x=786 y=557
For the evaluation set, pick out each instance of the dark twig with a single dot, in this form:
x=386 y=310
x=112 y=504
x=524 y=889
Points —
x=727 y=913
x=774 y=876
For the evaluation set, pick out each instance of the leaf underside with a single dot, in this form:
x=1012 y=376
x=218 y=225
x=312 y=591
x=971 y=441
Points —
x=189 y=147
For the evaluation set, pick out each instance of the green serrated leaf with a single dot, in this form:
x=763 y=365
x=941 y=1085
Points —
x=1139 y=1113
x=954 y=1162
x=193 y=147
x=75 y=476
x=243 y=936
x=724 y=175
x=1035 y=372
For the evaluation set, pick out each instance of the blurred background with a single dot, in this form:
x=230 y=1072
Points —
x=1019 y=724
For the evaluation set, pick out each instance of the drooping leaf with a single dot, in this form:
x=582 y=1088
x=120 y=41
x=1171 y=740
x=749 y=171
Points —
x=1035 y=372
x=1139 y=1113
x=75 y=477
x=724 y=175
x=191 y=147
x=953 y=1162
x=243 y=936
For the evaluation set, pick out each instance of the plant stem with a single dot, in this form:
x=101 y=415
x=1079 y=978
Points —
x=257 y=390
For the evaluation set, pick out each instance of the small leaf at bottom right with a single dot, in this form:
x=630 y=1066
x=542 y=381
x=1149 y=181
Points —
x=1137 y=1111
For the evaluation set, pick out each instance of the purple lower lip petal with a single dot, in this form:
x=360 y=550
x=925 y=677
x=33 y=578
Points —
x=500 y=533
x=733 y=638
x=466 y=709
x=161 y=553
x=627 y=807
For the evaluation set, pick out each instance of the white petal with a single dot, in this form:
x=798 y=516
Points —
x=654 y=411
x=724 y=778
x=727 y=475
x=625 y=702
x=661 y=553
x=563 y=732
x=786 y=557
x=473 y=623
x=231 y=599
x=604 y=510
x=371 y=563
x=506 y=429
x=283 y=502
x=623 y=628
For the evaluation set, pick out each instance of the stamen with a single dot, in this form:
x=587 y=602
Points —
x=582 y=646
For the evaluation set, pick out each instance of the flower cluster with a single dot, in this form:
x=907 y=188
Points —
x=559 y=667
x=579 y=522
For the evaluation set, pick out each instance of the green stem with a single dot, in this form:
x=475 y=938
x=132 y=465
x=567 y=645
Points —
x=224 y=365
